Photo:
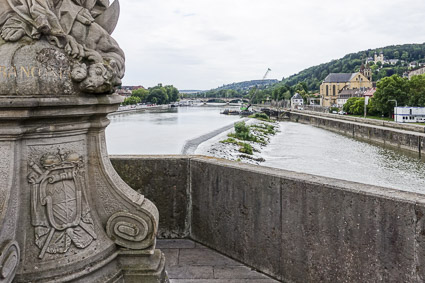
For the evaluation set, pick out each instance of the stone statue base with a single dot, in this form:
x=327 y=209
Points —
x=65 y=214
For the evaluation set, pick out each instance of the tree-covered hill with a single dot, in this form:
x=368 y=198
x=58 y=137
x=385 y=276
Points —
x=351 y=63
x=246 y=85
x=239 y=89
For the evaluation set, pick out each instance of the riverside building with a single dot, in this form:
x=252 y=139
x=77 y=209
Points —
x=409 y=114
x=334 y=83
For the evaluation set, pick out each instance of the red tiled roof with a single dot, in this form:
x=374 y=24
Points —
x=370 y=92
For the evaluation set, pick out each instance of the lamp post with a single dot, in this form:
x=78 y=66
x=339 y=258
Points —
x=395 y=112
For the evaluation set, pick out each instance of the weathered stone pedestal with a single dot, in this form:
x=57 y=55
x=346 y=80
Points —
x=65 y=214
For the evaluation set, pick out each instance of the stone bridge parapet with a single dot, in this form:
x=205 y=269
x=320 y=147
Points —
x=292 y=226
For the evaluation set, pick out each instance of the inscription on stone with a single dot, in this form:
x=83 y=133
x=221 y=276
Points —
x=32 y=72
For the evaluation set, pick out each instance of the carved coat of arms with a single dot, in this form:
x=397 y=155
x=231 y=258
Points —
x=59 y=210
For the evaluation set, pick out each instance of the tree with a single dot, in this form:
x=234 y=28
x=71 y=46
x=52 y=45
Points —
x=301 y=87
x=417 y=91
x=158 y=95
x=405 y=55
x=391 y=88
x=371 y=107
x=172 y=93
x=396 y=54
x=140 y=93
x=357 y=108
x=354 y=105
x=346 y=107
x=131 y=100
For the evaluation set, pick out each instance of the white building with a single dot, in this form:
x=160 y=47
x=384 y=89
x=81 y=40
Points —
x=413 y=64
x=409 y=114
x=297 y=101
x=346 y=94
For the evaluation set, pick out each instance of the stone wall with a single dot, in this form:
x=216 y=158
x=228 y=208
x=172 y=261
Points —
x=407 y=137
x=292 y=226
x=165 y=181
x=382 y=123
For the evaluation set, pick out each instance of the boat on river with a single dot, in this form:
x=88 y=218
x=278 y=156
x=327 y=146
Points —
x=230 y=112
x=237 y=112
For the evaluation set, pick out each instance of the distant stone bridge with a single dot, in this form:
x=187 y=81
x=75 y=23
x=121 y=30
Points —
x=225 y=99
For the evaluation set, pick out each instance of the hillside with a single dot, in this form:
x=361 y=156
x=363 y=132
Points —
x=239 y=89
x=246 y=85
x=351 y=63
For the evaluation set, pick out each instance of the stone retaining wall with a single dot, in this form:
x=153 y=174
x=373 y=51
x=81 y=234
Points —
x=295 y=227
x=382 y=123
x=406 y=137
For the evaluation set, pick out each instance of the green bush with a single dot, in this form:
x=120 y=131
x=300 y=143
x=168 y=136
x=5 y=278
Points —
x=242 y=131
x=264 y=128
x=333 y=109
x=246 y=148
x=262 y=116
x=229 y=140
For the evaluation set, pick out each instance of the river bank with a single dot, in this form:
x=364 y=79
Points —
x=133 y=108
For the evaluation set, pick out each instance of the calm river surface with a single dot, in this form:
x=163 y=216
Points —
x=297 y=147
x=307 y=149
x=162 y=131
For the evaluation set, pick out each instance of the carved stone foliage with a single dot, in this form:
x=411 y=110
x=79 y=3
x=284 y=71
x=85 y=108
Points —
x=9 y=260
x=59 y=210
x=82 y=29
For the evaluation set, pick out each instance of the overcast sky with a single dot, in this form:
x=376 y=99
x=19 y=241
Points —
x=202 y=44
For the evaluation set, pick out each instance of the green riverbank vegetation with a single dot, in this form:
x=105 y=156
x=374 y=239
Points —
x=250 y=138
x=155 y=95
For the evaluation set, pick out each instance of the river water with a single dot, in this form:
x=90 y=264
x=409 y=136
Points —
x=307 y=149
x=162 y=131
x=297 y=147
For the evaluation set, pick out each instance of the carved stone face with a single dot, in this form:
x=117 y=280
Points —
x=79 y=72
x=97 y=80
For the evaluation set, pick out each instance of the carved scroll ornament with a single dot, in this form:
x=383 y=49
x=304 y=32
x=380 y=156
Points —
x=9 y=260
x=130 y=231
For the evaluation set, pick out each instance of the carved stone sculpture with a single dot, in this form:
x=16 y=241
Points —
x=65 y=214
x=81 y=28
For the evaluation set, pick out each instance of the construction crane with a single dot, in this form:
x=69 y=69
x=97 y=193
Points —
x=243 y=108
